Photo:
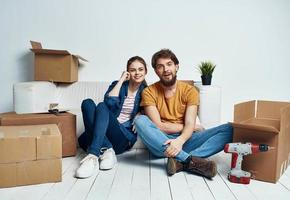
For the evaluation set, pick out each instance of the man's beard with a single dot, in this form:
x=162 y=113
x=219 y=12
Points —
x=168 y=83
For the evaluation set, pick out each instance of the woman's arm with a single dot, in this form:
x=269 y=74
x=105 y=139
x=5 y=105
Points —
x=115 y=91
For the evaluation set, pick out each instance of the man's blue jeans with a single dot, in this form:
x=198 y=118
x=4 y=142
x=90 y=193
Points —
x=102 y=129
x=201 y=144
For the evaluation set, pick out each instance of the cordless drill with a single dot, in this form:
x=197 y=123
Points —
x=238 y=150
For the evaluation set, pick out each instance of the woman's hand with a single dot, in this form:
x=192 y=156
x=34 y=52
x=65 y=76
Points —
x=125 y=76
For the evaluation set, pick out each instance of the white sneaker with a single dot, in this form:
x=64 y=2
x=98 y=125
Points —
x=108 y=159
x=89 y=166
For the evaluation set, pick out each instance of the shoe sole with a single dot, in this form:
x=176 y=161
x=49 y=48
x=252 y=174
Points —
x=108 y=167
x=171 y=167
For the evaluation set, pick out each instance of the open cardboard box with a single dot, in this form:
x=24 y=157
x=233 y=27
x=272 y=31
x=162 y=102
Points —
x=264 y=122
x=55 y=65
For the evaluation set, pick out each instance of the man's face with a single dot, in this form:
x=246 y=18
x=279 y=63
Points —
x=166 y=71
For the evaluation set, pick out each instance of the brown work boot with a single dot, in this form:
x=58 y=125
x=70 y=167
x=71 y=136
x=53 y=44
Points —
x=173 y=166
x=196 y=165
x=201 y=166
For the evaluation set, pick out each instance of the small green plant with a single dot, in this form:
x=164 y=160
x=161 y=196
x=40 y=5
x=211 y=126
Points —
x=206 y=68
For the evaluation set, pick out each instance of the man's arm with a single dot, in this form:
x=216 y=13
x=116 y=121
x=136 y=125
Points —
x=175 y=145
x=167 y=127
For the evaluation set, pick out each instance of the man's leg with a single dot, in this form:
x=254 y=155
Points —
x=209 y=142
x=153 y=138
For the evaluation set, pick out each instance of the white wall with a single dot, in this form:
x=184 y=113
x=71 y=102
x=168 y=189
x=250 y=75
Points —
x=249 y=40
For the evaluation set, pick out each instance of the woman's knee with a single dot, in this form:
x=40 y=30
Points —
x=101 y=107
x=87 y=104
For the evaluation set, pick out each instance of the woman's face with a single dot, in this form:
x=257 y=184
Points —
x=137 y=71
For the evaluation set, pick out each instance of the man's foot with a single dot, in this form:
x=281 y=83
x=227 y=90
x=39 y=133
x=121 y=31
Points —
x=173 y=166
x=89 y=166
x=196 y=165
x=108 y=159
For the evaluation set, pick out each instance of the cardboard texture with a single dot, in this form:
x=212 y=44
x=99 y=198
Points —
x=55 y=65
x=264 y=122
x=29 y=154
x=30 y=172
x=66 y=123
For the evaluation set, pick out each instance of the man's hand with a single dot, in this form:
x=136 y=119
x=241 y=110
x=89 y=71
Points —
x=174 y=147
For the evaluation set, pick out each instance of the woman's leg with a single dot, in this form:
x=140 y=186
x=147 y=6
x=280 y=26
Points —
x=101 y=123
x=88 y=108
x=115 y=136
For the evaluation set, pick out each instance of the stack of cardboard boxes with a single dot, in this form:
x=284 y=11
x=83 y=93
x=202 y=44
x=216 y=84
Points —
x=32 y=145
x=29 y=155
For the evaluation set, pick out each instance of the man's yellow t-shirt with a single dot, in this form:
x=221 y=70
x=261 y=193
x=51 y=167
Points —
x=171 y=109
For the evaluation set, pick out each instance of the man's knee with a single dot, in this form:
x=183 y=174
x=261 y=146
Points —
x=228 y=130
x=141 y=122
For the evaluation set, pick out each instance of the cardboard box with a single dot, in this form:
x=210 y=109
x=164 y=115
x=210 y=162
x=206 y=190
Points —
x=29 y=154
x=55 y=65
x=30 y=172
x=264 y=122
x=66 y=123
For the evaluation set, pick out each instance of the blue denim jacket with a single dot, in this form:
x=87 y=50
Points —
x=115 y=105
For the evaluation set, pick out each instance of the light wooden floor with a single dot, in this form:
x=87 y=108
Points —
x=140 y=176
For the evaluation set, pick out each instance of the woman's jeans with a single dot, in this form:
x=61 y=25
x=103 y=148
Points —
x=201 y=144
x=102 y=129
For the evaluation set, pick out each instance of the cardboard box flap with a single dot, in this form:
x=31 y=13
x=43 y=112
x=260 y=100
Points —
x=81 y=58
x=35 y=45
x=50 y=51
x=244 y=111
x=285 y=121
x=270 y=109
x=267 y=129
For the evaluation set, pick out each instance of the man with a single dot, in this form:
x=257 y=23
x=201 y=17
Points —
x=169 y=129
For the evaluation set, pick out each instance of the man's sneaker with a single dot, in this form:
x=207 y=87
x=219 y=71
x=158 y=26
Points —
x=108 y=159
x=196 y=165
x=89 y=166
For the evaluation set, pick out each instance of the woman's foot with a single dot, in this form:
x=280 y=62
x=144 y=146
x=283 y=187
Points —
x=108 y=159
x=89 y=166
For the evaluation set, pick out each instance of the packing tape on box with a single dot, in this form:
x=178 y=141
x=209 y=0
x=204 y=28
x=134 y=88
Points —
x=1 y=135
x=23 y=133
x=45 y=131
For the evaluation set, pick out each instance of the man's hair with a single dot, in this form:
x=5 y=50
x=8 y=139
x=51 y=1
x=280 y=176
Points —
x=164 y=53
x=136 y=58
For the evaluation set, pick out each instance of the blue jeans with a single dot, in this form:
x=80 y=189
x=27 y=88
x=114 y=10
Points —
x=201 y=144
x=102 y=129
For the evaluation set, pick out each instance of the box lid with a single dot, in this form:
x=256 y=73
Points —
x=266 y=129
x=270 y=109
x=37 y=49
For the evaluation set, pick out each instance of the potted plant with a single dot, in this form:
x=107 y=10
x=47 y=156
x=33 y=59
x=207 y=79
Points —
x=206 y=69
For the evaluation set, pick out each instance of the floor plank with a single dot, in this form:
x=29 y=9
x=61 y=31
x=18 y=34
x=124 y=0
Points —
x=121 y=187
x=61 y=189
x=198 y=187
x=159 y=181
x=139 y=175
x=140 y=188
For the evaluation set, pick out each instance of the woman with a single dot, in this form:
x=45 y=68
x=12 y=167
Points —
x=108 y=126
